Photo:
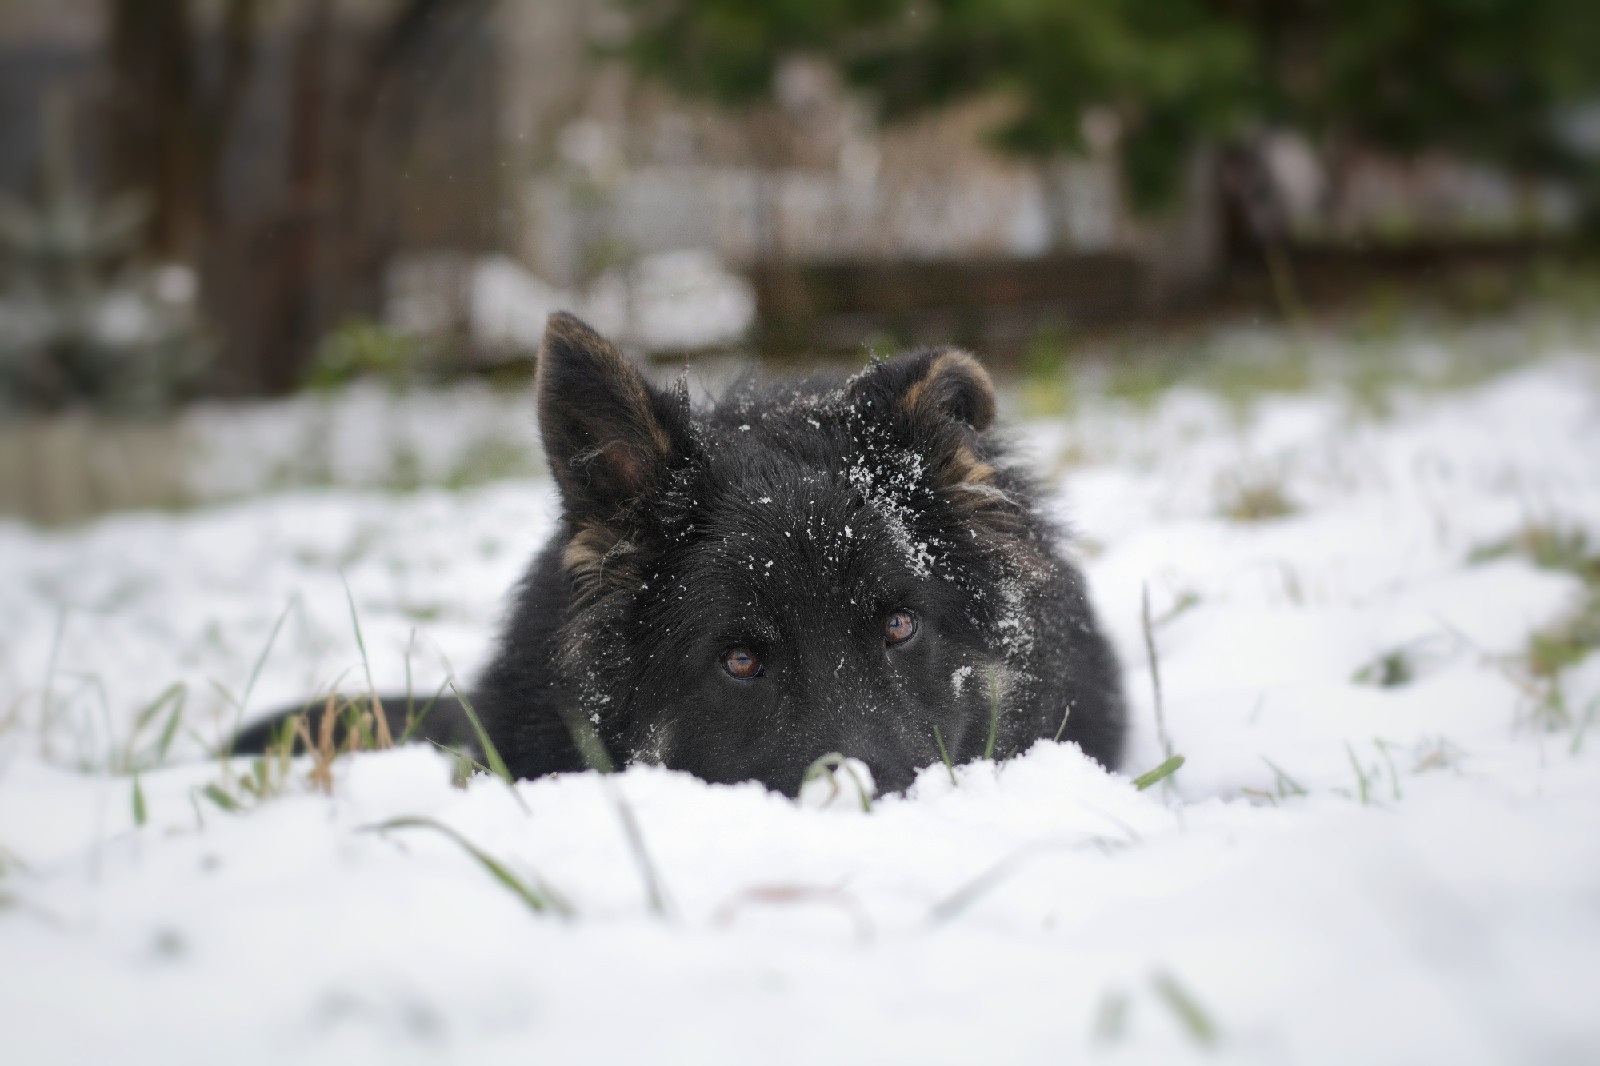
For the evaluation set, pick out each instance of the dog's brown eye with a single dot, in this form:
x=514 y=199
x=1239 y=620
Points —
x=899 y=627
x=741 y=663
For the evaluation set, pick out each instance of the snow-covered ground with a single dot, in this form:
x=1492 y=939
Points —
x=1343 y=871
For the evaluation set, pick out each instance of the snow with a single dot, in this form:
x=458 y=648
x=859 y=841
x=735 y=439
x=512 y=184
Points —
x=1338 y=873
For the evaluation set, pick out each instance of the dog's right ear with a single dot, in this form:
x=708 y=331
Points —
x=608 y=436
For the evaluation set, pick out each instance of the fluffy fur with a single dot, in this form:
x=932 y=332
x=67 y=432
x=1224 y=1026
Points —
x=790 y=521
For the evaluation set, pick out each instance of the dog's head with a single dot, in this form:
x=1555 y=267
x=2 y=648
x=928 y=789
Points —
x=797 y=571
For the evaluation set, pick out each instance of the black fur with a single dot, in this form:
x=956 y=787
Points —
x=789 y=520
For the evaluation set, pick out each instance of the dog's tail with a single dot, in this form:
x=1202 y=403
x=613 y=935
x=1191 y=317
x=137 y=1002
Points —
x=414 y=719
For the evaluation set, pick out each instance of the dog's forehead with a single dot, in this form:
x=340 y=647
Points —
x=774 y=525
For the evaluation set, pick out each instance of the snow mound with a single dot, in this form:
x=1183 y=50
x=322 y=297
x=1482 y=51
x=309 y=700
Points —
x=1384 y=846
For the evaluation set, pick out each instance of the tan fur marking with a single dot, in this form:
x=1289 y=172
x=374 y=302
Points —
x=953 y=361
x=965 y=468
x=586 y=553
x=948 y=362
x=951 y=365
x=913 y=395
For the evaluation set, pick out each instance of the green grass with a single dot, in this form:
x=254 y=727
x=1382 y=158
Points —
x=1159 y=774
x=1372 y=353
x=1283 y=785
x=536 y=895
x=1549 y=547
x=1253 y=496
x=994 y=711
x=1567 y=641
x=168 y=707
x=1555 y=648
x=1186 y=601
x=488 y=460
x=944 y=755
x=654 y=888
x=1363 y=781
x=1402 y=664
x=1196 y=1021
x=1391 y=669
x=1147 y=627
x=1110 y=1023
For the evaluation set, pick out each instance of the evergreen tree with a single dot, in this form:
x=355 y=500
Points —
x=1485 y=79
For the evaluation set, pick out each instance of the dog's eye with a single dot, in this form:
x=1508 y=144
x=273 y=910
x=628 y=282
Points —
x=741 y=662
x=899 y=627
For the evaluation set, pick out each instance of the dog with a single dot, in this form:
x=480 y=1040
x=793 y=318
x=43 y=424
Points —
x=826 y=566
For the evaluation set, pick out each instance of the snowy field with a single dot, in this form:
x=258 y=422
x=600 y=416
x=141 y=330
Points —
x=1370 y=608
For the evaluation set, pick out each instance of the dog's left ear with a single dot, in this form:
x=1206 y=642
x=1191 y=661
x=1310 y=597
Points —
x=608 y=436
x=937 y=403
x=926 y=389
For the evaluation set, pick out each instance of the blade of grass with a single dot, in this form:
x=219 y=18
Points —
x=174 y=694
x=975 y=889
x=380 y=722
x=586 y=738
x=96 y=684
x=170 y=730
x=1196 y=1022
x=199 y=818
x=1111 y=1017
x=1294 y=787
x=139 y=810
x=1589 y=714
x=655 y=892
x=1361 y=774
x=967 y=894
x=994 y=713
x=355 y=624
x=142 y=720
x=414 y=721
x=1155 y=669
x=411 y=644
x=215 y=794
x=1160 y=773
x=1394 y=775
x=458 y=753
x=944 y=755
x=10 y=861
x=538 y=897
x=491 y=754
x=250 y=683
x=47 y=696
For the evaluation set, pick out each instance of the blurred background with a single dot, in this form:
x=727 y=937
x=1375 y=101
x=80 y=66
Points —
x=205 y=204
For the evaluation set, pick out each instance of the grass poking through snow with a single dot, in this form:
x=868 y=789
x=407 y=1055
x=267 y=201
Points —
x=1196 y=1021
x=1254 y=497
x=1170 y=765
x=1554 y=649
x=537 y=896
x=944 y=755
x=994 y=712
x=1159 y=774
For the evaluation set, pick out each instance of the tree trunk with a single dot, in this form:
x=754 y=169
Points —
x=275 y=275
x=151 y=118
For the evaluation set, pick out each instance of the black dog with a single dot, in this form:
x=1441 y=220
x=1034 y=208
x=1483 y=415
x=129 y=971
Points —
x=842 y=567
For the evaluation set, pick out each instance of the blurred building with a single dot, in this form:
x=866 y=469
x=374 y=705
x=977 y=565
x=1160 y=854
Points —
x=504 y=166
